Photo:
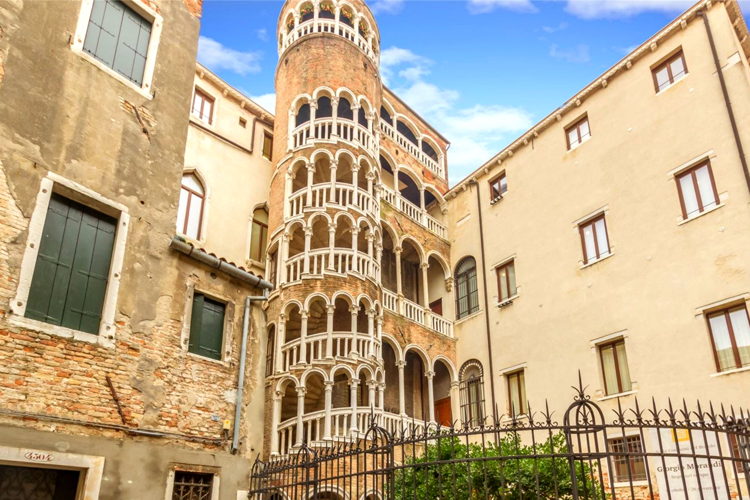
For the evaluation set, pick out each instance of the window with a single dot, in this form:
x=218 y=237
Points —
x=259 y=234
x=118 y=37
x=615 y=367
x=72 y=267
x=203 y=106
x=594 y=239
x=192 y=485
x=668 y=72
x=267 y=146
x=516 y=393
x=506 y=281
x=190 y=210
x=737 y=453
x=206 y=327
x=471 y=391
x=627 y=468
x=467 y=295
x=697 y=190
x=578 y=133
x=243 y=122
x=270 y=351
x=498 y=187
x=730 y=335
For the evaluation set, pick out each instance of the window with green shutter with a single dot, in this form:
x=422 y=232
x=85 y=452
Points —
x=118 y=37
x=206 y=327
x=72 y=266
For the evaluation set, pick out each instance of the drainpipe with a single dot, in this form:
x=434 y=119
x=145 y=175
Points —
x=243 y=360
x=486 y=299
x=727 y=102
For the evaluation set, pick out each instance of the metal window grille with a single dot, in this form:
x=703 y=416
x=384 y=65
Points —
x=192 y=485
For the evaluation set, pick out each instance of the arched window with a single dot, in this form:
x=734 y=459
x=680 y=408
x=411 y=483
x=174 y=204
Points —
x=385 y=115
x=362 y=117
x=344 y=109
x=270 y=351
x=303 y=115
x=324 y=108
x=471 y=390
x=406 y=132
x=467 y=296
x=306 y=12
x=347 y=16
x=429 y=151
x=190 y=210
x=327 y=11
x=259 y=234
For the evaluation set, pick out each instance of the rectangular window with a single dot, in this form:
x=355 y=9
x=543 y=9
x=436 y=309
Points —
x=506 y=281
x=737 y=453
x=267 y=146
x=697 y=190
x=472 y=400
x=243 y=122
x=628 y=460
x=594 y=239
x=498 y=187
x=730 y=334
x=668 y=72
x=72 y=267
x=192 y=485
x=118 y=37
x=516 y=393
x=206 y=327
x=578 y=133
x=203 y=106
x=615 y=367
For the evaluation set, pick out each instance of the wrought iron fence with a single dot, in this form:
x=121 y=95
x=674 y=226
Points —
x=675 y=453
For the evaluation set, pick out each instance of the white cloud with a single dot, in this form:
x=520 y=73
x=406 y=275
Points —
x=262 y=34
x=577 y=54
x=592 y=9
x=484 y=6
x=386 y=6
x=476 y=132
x=552 y=29
x=266 y=101
x=217 y=57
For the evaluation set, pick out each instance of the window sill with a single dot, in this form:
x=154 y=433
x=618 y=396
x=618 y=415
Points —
x=584 y=141
x=673 y=84
x=143 y=91
x=507 y=302
x=497 y=199
x=700 y=214
x=466 y=318
x=731 y=372
x=61 y=331
x=628 y=484
x=618 y=395
x=592 y=262
x=198 y=357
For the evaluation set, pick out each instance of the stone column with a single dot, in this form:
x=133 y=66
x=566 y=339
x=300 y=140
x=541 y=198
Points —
x=288 y=186
x=303 y=339
x=328 y=404
x=425 y=286
x=355 y=183
x=455 y=402
x=308 y=238
x=334 y=167
x=330 y=308
x=335 y=112
x=310 y=180
x=430 y=396
x=280 y=341
x=313 y=110
x=354 y=351
x=275 y=417
x=371 y=331
x=399 y=286
x=353 y=402
x=381 y=397
x=331 y=245
x=284 y=257
x=371 y=386
x=401 y=365
x=301 y=391
x=379 y=340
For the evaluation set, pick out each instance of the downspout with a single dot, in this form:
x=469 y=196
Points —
x=727 y=102
x=243 y=361
x=486 y=299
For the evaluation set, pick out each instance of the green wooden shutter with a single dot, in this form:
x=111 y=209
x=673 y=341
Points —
x=206 y=327
x=72 y=267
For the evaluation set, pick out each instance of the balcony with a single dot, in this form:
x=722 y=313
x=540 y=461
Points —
x=413 y=212
x=416 y=313
x=332 y=26
x=330 y=129
x=328 y=347
x=340 y=261
x=319 y=196
x=436 y=167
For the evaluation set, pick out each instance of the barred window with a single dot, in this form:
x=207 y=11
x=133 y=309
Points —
x=627 y=467
x=467 y=295
x=471 y=392
x=192 y=485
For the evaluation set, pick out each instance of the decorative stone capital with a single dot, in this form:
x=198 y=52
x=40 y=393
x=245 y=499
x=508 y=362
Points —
x=278 y=396
x=429 y=374
x=301 y=391
x=397 y=250
x=328 y=385
x=303 y=314
x=354 y=310
x=400 y=363
x=331 y=227
x=330 y=308
x=308 y=231
x=424 y=265
x=449 y=284
x=455 y=384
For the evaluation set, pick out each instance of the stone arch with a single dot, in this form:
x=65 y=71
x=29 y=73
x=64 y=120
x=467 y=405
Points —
x=313 y=296
x=434 y=254
x=430 y=147
x=449 y=365
x=310 y=371
x=419 y=350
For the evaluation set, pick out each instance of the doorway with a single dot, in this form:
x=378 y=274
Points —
x=32 y=483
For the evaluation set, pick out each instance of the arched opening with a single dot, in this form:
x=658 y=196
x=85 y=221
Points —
x=388 y=263
x=322 y=174
x=429 y=150
x=327 y=10
x=362 y=318
x=325 y=109
x=409 y=189
x=343 y=233
x=364 y=168
x=386 y=116
x=432 y=204
x=270 y=350
x=362 y=117
x=319 y=237
x=293 y=325
x=386 y=173
x=364 y=230
x=363 y=390
x=411 y=274
x=344 y=173
x=326 y=495
x=317 y=322
x=415 y=387
x=306 y=12
x=303 y=115
x=471 y=393
x=314 y=396
x=346 y=16
x=390 y=399
x=299 y=176
x=288 y=412
x=436 y=285
x=344 y=109
x=296 y=240
x=190 y=209
x=289 y=22
x=404 y=129
x=273 y=254
x=342 y=318
x=441 y=392
x=467 y=294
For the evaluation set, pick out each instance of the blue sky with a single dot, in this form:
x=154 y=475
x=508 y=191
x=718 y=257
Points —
x=481 y=71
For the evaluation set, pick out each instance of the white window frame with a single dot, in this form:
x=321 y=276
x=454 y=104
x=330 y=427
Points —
x=595 y=345
x=227 y=330
x=55 y=183
x=215 y=485
x=90 y=466
x=204 y=227
x=148 y=13
x=524 y=367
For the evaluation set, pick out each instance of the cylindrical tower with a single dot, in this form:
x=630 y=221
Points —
x=324 y=362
